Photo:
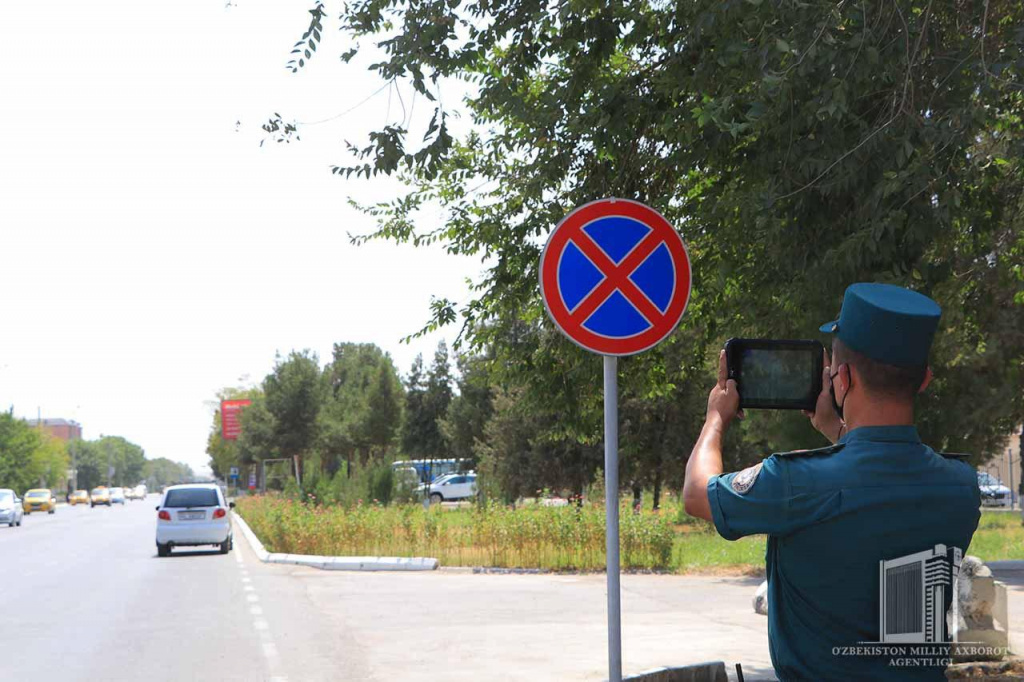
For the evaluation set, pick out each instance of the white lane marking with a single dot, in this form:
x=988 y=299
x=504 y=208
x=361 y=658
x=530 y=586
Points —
x=252 y=597
x=246 y=580
x=256 y=610
x=269 y=649
x=249 y=588
x=261 y=624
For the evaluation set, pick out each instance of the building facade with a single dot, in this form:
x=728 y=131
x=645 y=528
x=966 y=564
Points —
x=60 y=428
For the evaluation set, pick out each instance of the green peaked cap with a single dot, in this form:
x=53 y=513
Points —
x=887 y=323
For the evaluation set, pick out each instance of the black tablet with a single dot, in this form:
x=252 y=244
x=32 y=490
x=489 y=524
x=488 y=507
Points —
x=775 y=374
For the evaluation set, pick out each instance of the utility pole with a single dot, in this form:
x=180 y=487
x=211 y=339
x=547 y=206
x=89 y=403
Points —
x=1009 y=467
x=110 y=467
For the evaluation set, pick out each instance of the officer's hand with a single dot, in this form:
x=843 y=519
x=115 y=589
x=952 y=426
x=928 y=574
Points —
x=824 y=418
x=724 y=400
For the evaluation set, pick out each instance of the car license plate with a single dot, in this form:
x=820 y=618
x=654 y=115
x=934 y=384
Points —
x=191 y=516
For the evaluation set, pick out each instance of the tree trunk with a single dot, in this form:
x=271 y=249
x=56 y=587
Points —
x=638 y=502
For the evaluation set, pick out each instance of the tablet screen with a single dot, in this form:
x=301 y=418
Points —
x=778 y=374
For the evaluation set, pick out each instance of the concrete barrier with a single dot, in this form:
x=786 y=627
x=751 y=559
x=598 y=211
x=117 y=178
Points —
x=699 y=672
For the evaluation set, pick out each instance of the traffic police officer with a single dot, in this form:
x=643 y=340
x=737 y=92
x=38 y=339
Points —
x=833 y=514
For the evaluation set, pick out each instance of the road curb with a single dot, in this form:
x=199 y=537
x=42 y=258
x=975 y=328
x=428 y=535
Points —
x=334 y=563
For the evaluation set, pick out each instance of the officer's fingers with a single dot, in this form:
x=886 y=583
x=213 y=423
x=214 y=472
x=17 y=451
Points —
x=723 y=370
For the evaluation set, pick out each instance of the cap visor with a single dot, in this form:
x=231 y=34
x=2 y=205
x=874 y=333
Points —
x=829 y=327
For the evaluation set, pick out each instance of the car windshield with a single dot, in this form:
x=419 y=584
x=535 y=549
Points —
x=37 y=493
x=6 y=496
x=987 y=479
x=98 y=491
x=191 y=497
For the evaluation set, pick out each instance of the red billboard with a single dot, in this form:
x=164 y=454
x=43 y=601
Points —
x=230 y=418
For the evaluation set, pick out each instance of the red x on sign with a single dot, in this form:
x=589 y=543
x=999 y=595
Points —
x=615 y=277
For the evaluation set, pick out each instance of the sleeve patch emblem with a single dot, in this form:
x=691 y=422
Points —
x=744 y=480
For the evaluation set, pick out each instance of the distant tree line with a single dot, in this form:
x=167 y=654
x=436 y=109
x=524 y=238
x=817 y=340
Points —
x=30 y=457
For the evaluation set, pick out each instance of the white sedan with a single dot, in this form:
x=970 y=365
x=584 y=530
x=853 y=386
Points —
x=452 y=487
x=193 y=514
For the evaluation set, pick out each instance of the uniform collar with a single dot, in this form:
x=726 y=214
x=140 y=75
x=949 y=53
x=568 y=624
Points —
x=890 y=434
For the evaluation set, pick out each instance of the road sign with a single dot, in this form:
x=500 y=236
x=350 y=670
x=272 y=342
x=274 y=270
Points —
x=615 y=277
x=234 y=472
x=252 y=480
x=230 y=418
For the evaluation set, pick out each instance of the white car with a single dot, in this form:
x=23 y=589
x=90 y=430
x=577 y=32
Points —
x=993 y=492
x=193 y=514
x=117 y=496
x=452 y=487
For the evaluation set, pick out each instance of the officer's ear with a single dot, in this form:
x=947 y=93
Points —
x=927 y=379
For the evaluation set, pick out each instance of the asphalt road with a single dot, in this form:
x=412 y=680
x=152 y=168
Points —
x=83 y=596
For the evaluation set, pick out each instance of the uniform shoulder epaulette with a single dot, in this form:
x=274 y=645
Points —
x=828 y=450
x=961 y=456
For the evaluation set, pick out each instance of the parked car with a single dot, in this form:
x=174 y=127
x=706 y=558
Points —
x=79 y=497
x=993 y=492
x=193 y=514
x=99 y=495
x=117 y=496
x=39 y=499
x=11 y=512
x=453 y=487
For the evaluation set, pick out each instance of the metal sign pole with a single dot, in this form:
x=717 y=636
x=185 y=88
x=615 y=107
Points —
x=611 y=504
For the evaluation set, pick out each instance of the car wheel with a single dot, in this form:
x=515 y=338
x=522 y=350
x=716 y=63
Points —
x=436 y=498
x=225 y=546
x=92 y=504
x=163 y=550
x=11 y=524
x=52 y=511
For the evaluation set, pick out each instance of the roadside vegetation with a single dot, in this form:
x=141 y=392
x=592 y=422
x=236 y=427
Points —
x=536 y=536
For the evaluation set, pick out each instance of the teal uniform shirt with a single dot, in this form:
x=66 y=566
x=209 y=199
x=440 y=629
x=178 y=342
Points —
x=831 y=516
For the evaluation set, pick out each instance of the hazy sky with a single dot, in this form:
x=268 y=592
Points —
x=151 y=252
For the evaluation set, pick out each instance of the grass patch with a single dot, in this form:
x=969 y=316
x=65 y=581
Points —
x=999 y=537
x=556 y=538
x=553 y=538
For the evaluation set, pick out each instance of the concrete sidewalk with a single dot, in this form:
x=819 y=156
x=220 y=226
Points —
x=538 y=627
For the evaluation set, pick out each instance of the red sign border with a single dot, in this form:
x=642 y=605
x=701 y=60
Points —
x=559 y=312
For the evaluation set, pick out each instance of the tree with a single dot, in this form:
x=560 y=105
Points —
x=363 y=410
x=50 y=461
x=384 y=413
x=18 y=444
x=798 y=146
x=416 y=425
x=470 y=409
x=436 y=399
x=225 y=454
x=161 y=472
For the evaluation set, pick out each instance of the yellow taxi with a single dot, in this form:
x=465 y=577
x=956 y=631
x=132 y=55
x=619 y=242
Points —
x=39 y=499
x=99 y=495
x=79 y=497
